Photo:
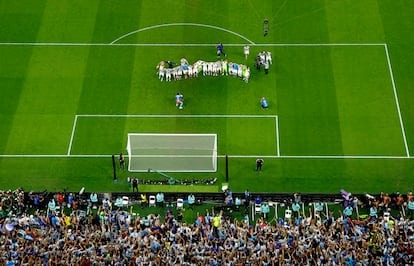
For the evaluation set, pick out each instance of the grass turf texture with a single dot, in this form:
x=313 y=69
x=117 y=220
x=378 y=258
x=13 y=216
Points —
x=330 y=100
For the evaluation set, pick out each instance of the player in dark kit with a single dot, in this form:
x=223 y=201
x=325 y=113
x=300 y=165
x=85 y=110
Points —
x=259 y=164
x=220 y=50
x=134 y=185
x=121 y=161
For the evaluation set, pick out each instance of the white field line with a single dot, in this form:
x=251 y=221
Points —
x=182 y=44
x=55 y=155
x=182 y=24
x=277 y=136
x=197 y=116
x=397 y=101
x=324 y=156
x=72 y=135
x=357 y=157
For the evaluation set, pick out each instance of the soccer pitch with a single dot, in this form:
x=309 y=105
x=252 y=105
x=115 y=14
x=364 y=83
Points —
x=338 y=116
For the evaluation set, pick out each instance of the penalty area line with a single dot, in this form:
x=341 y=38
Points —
x=72 y=135
x=323 y=156
x=394 y=88
x=184 y=44
x=277 y=136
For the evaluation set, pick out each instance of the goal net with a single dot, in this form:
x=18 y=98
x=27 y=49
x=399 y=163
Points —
x=172 y=152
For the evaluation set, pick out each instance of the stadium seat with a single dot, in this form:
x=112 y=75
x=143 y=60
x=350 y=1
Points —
x=224 y=186
x=180 y=204
x=257 y=208
x=152 y=201
x=288 y=213
x=125 y=201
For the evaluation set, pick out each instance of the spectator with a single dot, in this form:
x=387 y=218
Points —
x=246 y=198
x=144 y=201
x=347 y=197
x=114 y=238
x=160 y=199
x=94 y=200
x=106 y=204
x=191 y=200
x=264 y=209
x=70 y=200
x=410 y=207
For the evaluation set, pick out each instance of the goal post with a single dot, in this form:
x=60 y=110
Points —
x=172 y=152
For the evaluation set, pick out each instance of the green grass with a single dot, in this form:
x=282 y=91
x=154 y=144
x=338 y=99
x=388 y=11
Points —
x=338 y=100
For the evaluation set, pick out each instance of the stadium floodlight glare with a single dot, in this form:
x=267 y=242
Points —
x=172 y=152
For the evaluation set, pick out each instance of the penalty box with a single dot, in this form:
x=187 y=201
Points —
x=240 y=135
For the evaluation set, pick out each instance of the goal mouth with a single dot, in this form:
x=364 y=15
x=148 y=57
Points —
x=172 y=152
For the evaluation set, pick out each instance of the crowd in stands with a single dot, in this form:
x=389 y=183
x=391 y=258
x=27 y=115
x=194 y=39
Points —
x=109 y=234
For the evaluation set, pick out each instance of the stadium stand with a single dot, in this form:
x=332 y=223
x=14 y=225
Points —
x=119 y=237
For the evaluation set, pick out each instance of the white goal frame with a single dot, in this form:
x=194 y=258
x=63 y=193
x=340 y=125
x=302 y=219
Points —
x=190 y=158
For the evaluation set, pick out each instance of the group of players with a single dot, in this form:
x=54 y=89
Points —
x=168 y=71
x=263 y=59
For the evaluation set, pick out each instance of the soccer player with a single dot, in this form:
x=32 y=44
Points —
x=210 y=68
x=220 y=50
x=161 y=72
x=121 y=161
x=269 y=57
x=205 y=68
x=179 y=100
x=224 y=67
x=246 y=73
x=259 y=164
x=266 y=67
x=167 y=74
x=185 y=70
x=246 y=50
x=183 y=62
x=170 y=64
x=264 y=103
x=235 y=69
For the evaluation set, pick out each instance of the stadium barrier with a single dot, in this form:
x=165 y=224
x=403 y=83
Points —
x=216 y=197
